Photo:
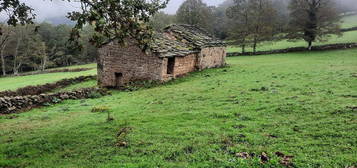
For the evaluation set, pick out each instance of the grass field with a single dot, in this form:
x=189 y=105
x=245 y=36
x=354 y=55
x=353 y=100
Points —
x=300 y=104
x=348 y=37
x=77 y=66
x=349 y=21
x=12 y=83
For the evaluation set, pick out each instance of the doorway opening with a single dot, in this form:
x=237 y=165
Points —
x=118 y=79
x=170 y=65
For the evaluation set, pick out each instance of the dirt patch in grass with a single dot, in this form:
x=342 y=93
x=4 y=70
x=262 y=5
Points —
x=121 y=136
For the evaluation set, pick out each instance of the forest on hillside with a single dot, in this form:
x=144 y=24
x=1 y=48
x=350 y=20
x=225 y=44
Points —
x=41 y=46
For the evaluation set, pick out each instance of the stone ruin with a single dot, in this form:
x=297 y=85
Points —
x=176 y=51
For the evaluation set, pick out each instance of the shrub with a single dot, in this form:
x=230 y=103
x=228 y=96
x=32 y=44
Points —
x=100 y=109
x=94 y=95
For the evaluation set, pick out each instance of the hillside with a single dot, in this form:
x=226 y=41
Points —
x=298 y=104
x=12 y=83
x=349 y=21
x=347 y=37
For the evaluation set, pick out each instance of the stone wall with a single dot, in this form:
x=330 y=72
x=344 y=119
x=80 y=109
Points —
x=349 y=29
x=184 y=65
x=51 y=71
x=212 y=57
x=15 y=104
x=39 y=89
x=298 y=49
x=130 y=61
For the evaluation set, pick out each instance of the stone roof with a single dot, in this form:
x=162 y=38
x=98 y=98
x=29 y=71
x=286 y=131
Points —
x=166 y=47
x=181 y=40
x=197 y=37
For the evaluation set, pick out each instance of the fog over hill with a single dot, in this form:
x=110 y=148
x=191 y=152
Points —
x=56 y=10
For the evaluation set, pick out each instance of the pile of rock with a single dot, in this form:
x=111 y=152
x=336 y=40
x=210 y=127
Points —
x=297 y=49
x=39 y=89
x=14 y=104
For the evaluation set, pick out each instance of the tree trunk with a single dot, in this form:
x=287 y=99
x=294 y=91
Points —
x=4 y=43
x=3 y=63
x=15 y=66
x=243 y=48
x=255 y=45
x=309 y=47
x=44 y=62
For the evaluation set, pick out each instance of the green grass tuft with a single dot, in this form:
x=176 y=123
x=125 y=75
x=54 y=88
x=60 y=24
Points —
x=100 y=109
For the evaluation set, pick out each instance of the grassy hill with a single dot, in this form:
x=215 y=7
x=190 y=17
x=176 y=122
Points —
x=12 y=83
x=349 y=21
x=300 y=104
x=347 y=37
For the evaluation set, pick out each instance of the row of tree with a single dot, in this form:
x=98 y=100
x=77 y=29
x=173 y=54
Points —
x=40 y=46
x=250 y=22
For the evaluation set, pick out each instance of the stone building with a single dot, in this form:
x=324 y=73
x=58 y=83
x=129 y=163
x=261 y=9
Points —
x=176 y=51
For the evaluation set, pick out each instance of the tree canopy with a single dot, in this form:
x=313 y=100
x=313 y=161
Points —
x=253 y=22
x=313 y=20
x=112 y=19
x=195 y=12
x=17 y=12
x=116 y=19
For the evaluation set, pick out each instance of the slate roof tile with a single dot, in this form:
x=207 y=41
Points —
x=187 y=39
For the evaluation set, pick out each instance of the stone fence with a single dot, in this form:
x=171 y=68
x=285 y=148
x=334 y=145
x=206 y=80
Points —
x=297 y=49
x=349 y=29
x=39 y=89
x=50 y=71
x=350 y=13
x=15 y=104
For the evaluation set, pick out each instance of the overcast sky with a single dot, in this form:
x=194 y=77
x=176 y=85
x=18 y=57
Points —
x=49 y=9
x=57 y=8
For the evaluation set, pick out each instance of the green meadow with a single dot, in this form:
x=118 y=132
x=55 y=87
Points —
x=12 y=83
x=347 y=37
x=349 y=21
x=300 y=104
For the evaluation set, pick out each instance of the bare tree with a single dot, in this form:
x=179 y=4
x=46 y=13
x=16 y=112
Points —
x=17 y=62
x=313 y=20
x=22 y=49
x=4 y=40
x=253 y=22
x=41 y=53
x=240 y=20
